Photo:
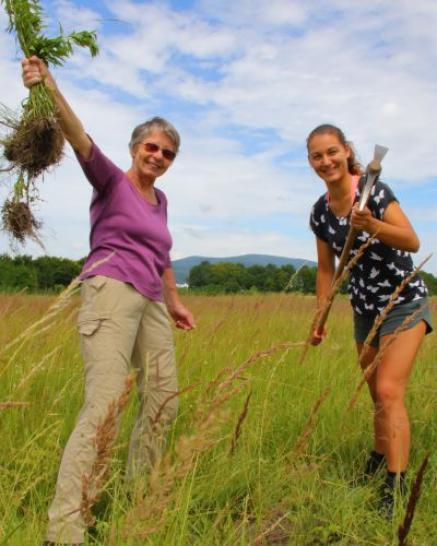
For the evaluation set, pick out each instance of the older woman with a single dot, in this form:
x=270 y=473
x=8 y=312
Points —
x=122 y=319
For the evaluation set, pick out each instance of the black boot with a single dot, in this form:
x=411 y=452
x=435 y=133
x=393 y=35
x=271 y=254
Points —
x=374 y=464
x=387 y=493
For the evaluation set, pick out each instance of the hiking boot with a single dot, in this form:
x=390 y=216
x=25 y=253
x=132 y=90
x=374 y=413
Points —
x=387 y=493
x=386 y=502
x=374 y=464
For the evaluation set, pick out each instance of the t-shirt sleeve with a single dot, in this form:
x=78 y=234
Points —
x=99 y=169
x=317 y=221
x=380 y=197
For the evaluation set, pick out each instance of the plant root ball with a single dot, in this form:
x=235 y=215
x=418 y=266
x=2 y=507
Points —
x=18 y=220
x=35 y=145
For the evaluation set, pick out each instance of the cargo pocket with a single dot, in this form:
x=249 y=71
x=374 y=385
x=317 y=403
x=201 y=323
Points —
x=96 y=304
x=89 y=323
x=97 y=282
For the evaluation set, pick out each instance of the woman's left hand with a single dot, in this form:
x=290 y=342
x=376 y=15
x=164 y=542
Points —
x=182 y=317
x=363 y=220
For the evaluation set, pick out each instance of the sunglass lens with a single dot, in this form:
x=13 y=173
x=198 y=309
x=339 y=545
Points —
x=150 y=147
x=168 y=154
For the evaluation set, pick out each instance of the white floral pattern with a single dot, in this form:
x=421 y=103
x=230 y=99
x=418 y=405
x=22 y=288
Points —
x=382 y=268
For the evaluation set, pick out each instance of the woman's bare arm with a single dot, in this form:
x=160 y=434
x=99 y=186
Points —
x=394 y=230
x=325 y=275
x=35 y=71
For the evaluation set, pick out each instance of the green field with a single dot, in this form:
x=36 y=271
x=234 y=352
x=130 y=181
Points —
x=289 y=478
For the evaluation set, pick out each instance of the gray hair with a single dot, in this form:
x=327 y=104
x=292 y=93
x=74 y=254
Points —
x=155 y=124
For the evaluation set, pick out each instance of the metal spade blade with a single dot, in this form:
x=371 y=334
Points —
x=373 y=170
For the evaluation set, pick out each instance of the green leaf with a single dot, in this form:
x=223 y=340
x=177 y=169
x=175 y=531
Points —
x=86 y=39
x=26 y=19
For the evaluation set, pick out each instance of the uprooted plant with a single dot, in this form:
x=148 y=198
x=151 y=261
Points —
x=35 y=141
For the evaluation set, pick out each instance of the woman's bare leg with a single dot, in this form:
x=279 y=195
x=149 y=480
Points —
x=392 y=375
x=379 y=430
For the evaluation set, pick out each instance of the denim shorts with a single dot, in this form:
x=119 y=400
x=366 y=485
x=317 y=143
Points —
x=364 y=323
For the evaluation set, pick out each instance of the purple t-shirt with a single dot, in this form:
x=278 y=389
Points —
x=126 y=228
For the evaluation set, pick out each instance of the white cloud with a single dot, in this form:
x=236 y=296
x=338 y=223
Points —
x=75 y=18
x=245 y=82
x=236 y=242
x=275 y=12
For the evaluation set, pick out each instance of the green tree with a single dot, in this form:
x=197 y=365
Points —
x=430 y=281
x=200 y=275
x=44 y=273
x=305 y=280
x=285 y=275
x=235 y=277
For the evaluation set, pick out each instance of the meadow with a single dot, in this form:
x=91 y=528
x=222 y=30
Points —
x=265 y=450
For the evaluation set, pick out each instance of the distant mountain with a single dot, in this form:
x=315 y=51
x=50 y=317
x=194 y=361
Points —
x=183 y=266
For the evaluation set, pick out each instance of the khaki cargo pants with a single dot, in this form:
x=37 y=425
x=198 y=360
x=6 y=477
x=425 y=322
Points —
x=118 y=327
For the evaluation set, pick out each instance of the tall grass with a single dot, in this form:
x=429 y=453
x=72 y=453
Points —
x=296 y=448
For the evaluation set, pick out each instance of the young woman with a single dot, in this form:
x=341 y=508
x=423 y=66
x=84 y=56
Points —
x=379 y=271
x=128 y=293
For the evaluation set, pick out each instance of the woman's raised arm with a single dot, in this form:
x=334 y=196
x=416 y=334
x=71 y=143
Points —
x=35 y=71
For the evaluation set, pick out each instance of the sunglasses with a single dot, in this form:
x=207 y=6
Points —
x=152 y=148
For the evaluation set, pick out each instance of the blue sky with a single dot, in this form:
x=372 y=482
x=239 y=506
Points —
x=244 y=82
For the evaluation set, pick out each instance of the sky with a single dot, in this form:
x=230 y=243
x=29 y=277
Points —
x=244 y=82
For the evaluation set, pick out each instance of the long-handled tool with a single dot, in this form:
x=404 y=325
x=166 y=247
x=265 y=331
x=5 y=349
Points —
x=373 y=170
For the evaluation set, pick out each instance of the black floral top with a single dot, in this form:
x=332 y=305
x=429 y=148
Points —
x=381 y=268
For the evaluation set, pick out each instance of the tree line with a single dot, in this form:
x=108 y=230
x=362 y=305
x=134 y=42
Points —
x=51 y=274
x=43 y=274
x=234 y=277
